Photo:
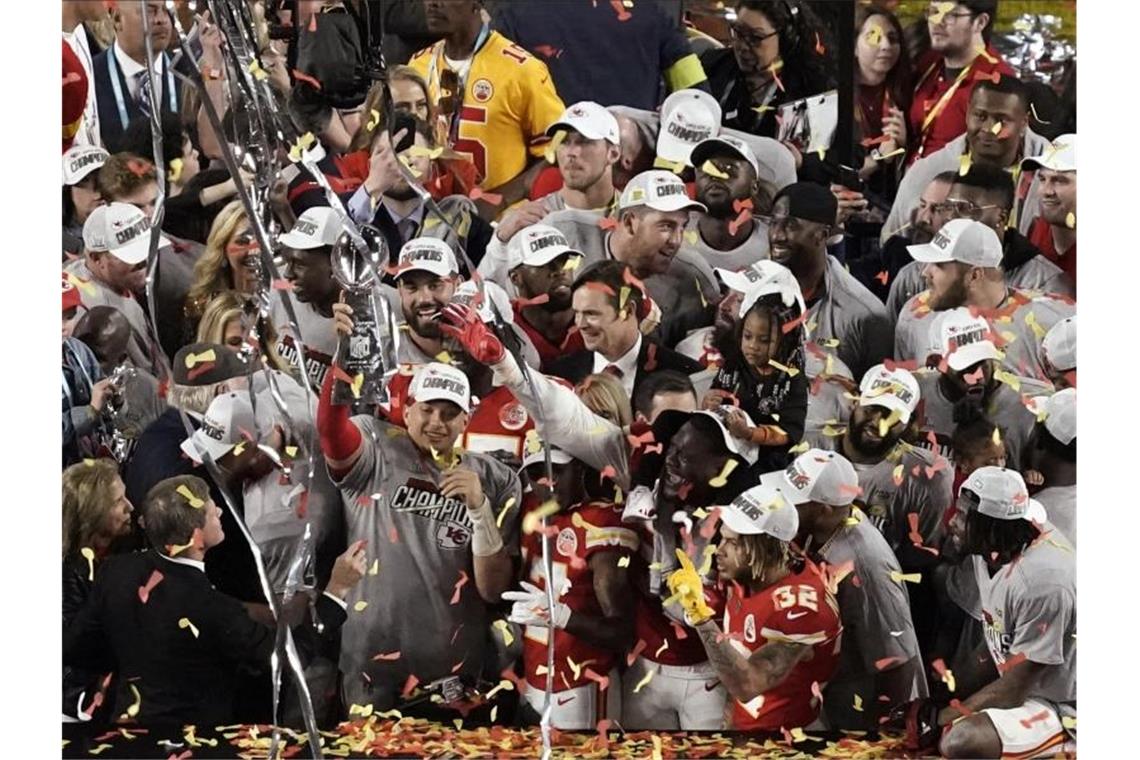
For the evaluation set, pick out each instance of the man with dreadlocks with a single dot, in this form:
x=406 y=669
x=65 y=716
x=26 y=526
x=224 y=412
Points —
x=1026 y=576
x=763 y=369
x=781 y=635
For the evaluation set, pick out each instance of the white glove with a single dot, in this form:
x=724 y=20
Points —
x=530 y=608
x=639 y=505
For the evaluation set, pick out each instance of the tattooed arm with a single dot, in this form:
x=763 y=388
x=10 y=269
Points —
x=746 y=677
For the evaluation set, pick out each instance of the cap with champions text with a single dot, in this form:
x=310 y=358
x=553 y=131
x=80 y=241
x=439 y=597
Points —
x=441 y=382
x=688 y=117
x=123 y=230
x=893 y=389
x=816 y=475
x=1001 y=494
x=777 y=280
x=961 y=240
x=317 y=227
x=228 y=421
x=659 y=190
x=762 y=510
x=722 y=145
x=427 y=254
x=963 y=339
x=537 y=246
x=590 y=120
x=80 y=161
x=1060 y=156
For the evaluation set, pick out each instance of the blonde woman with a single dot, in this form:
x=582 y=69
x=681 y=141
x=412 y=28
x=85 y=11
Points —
x=225 y=322
x=227 y=264
x=605 y=396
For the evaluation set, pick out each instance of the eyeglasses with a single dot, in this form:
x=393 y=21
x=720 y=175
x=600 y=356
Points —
x=962 y=208
x=937 y=14
x=748 y=35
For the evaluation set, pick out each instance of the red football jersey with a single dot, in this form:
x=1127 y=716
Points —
x=499 y=423
x=583 y=531
x=799 y=608
x=547 y=351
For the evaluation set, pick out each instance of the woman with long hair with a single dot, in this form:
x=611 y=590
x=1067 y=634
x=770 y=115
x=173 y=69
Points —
x=883 y=89
x=606 y=397
x=227 y=320
x=229 y=263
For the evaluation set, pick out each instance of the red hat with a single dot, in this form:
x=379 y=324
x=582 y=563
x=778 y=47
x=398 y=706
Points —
x=70 y=294
x=74 y=95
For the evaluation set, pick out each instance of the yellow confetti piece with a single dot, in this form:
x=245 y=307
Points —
x=833 y=432
x=503 y=685
x=373 y=120
x=996 y=128
x=997 y=436
x=506 y=507
x=444 y=461
x=887 y=422
x=874 y=36
x=532 y=442
x=540 y=670
x=362 y=710
x=458 y=723
x=624 y=561
x=494 y=713
x=194 y=359
x=948 y=679
x=674 y=166
x=444 y=357
x=799 y=448
x=854 y=519
x=174 y=169
x=940 y=11
x=1038 y=329
x=700 y=292
x=408 y=165
x=176 y=549
x=419 y=151
x=534 y=518
x=691 y=236
x=290 y=451
x=1010 y=379
x=657 y=747
x=389 y=714
x=762 y=109
x=790 y=371
x=185 y=623
x=964 y=164
x=662 y=648
x=89 y=555
x=858 y=703
x=897 y=475
x=706 y=565
x=550 y=154
x=572 y=263
x=892 y=154
x=97 y=750
x=625 y=291
x=1069 y=723
x=1071 y=223
x=898 y=577
x=505 y=631
x=798 y=735
x=258 y=72
x=721 y=480
x=133 y=708
x=303 y=143
x=645 y=680
x=981 y=50
x=359 y=606
x=357 y=384
x=375 y=569
x=191 y=499
x=709 y=168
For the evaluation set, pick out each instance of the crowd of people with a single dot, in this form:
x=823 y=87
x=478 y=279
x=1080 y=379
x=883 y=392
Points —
x=763 y=441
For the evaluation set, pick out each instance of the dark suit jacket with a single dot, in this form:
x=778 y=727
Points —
x=111 y=127
x=181 y=678
x=576 y=366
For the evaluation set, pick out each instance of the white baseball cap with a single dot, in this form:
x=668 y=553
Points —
x=537 y=246
x=1060 y=412
x=1059 y=346
x=81 y=160
x=687 y=118
x=721 y=144
x=1001 y=494
x=557 y=456
x=816 y=475
x=468 y=293
x=774 y=278
x=590 y=120
x=441 y=382
x=762 y=510
x=427 y=254
x=896 y=390
x=659 y=190
x=961 y=240
x=121 y=228
x=228 y=421
x=963 y=339
x=316 y=227
x=747 y=450
x=1060 y=156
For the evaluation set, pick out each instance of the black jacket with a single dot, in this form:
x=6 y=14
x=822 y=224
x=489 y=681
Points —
x=576 y=366
x=111 y=126
x=181 y=677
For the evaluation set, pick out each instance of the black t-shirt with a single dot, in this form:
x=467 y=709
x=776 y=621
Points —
x=185 y=216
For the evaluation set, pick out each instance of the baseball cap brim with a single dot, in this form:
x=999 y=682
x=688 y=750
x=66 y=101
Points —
x=557 y=456
x=300 y=242
x=544 y=256
x=888 y=401
x=738 y=522
x=198 y=442
x=706 y=149
x=137 y=250
x=439 y=270
x=969 y=355
x=779 y=479
x=929 y=254
x=676 y=203
x=582 y=127
x=669 y=148
x=440 y=394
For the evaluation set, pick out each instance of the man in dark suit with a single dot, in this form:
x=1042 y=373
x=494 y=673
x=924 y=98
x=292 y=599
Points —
x=175 y=642
x=610 y=306
x=120 y=70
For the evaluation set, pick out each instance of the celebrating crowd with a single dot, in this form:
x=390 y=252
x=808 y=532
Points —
x=760 y=440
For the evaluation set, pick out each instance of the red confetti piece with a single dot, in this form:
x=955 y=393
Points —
x=637 y=649
x=602 y=681
x=708 y=528
x=957 y=705
x=409 y=685
x=303 y=505
x=282 y=284
x=603 y=727
x=816 y=691
x=387 y=656
x=458 y=666
x=656 y=448
x=741 y=204
x=478 y=193
x=820 y=48
x=683 y=491
x=608 y=223
x=144 y=591
x=679 y=631
x=787 y=327
x=743 y=218
x=651 y=357
x=886 y=662
x=974 y=378
x=910 y=365
x=183 y=756
x=541 y=298
x=883 y=277
x=138 y=167
x=393 y=535
x=619 y=8
x=639 y=441
x=602 y=288
x=303 y=77
x=609 y=472
x=853 y=490
x=1028 y=722
x=459 y=584
x=1011 y=662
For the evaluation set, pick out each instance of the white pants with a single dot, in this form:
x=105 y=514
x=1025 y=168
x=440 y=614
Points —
x=675 y=698
x=1032 y=730
x=580 y=708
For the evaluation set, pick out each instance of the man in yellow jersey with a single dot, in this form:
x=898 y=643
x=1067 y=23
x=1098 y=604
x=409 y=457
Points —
x=495 y=100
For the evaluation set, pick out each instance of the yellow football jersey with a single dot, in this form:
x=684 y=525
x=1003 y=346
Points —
x=508 y=102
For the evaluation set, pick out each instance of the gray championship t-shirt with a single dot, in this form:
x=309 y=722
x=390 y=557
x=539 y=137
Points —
x=877 y=626
x=93 y=293
x=1029 y=608
x=422 y=601
x=753 y=249
x=851 y=314
x=1060 y=504
x=1020 y=327
x=1004 y=408
x=318 y=333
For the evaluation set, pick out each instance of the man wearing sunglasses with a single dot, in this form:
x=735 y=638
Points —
x=959 y=56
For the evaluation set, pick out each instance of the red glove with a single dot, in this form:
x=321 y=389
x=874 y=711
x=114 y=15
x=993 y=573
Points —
x=479 y=341
x=339 y=437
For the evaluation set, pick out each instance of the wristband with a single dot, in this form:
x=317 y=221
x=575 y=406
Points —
x=485 y=538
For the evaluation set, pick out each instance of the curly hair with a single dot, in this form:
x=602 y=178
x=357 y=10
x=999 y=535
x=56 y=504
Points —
x=804 y=41
x=88 y=492
x=212 y=272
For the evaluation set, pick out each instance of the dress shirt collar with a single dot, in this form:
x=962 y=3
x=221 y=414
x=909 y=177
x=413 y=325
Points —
x=627 y=363
x=185 y=561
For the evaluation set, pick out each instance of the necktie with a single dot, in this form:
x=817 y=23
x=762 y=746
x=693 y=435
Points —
x=144 y=92
x=615 y=370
